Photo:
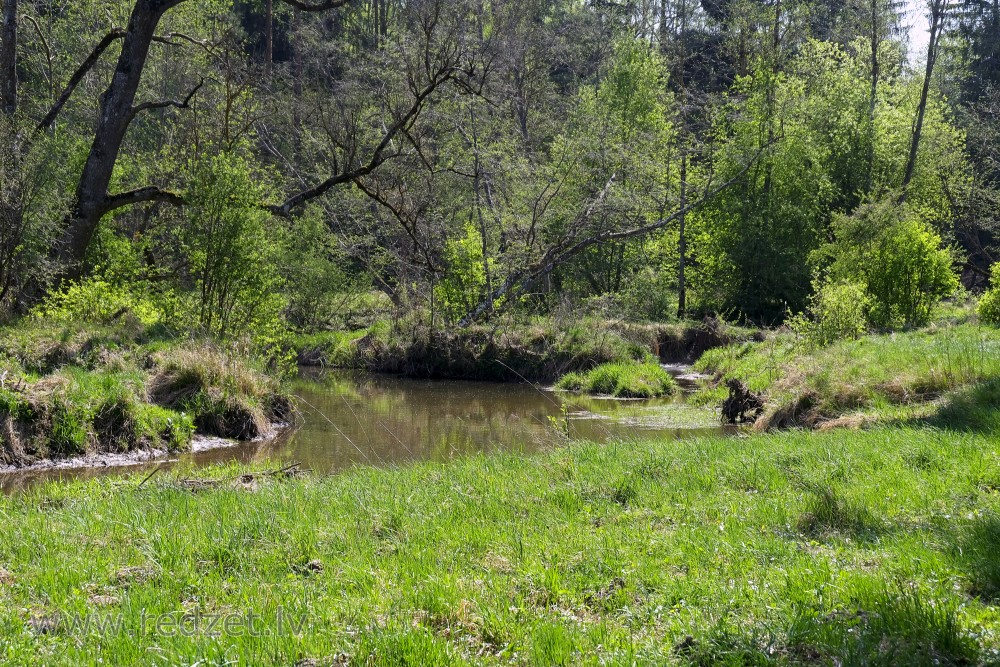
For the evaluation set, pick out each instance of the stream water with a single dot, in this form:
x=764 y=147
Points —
x=353 y=419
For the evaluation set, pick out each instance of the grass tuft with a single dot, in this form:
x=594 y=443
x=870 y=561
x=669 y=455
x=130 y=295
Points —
x=225 y=395
x=829 y=512
x=976 y=550
x=622 y=380
x=886 y=625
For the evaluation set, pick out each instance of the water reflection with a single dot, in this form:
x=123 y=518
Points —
x=354 y=418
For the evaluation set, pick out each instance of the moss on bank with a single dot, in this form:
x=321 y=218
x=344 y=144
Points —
x=68 y=392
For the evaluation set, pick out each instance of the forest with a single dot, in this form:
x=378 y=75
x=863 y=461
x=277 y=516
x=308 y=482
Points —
x=252 y=169
x=499 y=332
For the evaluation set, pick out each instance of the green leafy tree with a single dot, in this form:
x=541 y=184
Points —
x=898 y=257
x=622 y=144
x=819 y=158
x=231 y=246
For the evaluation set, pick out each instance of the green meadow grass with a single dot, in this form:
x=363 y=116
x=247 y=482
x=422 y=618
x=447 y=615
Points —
x=622 y=380
x=875 y=374
x=841 y=548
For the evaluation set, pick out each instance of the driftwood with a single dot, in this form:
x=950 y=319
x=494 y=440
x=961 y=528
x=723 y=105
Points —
x=742 y=405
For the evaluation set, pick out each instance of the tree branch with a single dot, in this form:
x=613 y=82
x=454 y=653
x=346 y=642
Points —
x=45 y=45
x=77 y=77
x=379 y=155
x=320 y=7
x=140 y=196
x=167 y=39
x=163 y=104
x=558 y=255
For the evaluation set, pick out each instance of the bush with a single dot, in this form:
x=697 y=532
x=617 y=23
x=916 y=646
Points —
x=898 y=258
x=99 y=302
x=622 y=380
x=989 y=307
x=989 y=304
x=836 y=312
x=650 y=296
x=231 y=247
x=322 y=285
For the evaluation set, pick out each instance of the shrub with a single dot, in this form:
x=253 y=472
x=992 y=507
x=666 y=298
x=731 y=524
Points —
x=836 y=312
x=989 y=307
x=97 y=301
x=989 y=304
x=649 y=295
x=231 y=248
x=898 y=258
x=322 y=285
x=622 y=380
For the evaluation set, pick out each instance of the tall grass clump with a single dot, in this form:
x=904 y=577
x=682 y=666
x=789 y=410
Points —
x=227 y=396
x=622 y=380
x=885 y=625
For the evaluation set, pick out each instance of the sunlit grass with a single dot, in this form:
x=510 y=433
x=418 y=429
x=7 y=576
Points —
x=873 y=373
x=622 y=380
x=840 y=547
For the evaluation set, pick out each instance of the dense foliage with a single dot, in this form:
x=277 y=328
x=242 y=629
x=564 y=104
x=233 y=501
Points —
x=277 y=164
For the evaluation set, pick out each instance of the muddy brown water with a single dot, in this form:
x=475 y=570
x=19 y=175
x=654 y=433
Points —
x=351 y=419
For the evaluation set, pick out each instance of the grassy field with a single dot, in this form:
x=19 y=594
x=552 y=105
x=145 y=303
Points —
x=873 y=378
x=847 y=548
x=834 y=547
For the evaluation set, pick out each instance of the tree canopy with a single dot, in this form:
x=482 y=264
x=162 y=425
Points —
x=253 y=165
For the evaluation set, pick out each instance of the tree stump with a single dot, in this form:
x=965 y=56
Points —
x=742 y=405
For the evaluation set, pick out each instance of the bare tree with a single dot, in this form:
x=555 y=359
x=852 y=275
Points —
x=938 y=16
x=118 y=109
x=8 y=58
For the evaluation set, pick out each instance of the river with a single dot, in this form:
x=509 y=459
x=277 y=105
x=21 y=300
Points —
x=351 y=419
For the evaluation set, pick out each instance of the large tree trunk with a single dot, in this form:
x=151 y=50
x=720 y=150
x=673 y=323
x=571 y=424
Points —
x=269 y=23
x=8 y=59
x=116 y=113
x=117 y=109
x=682 y=241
